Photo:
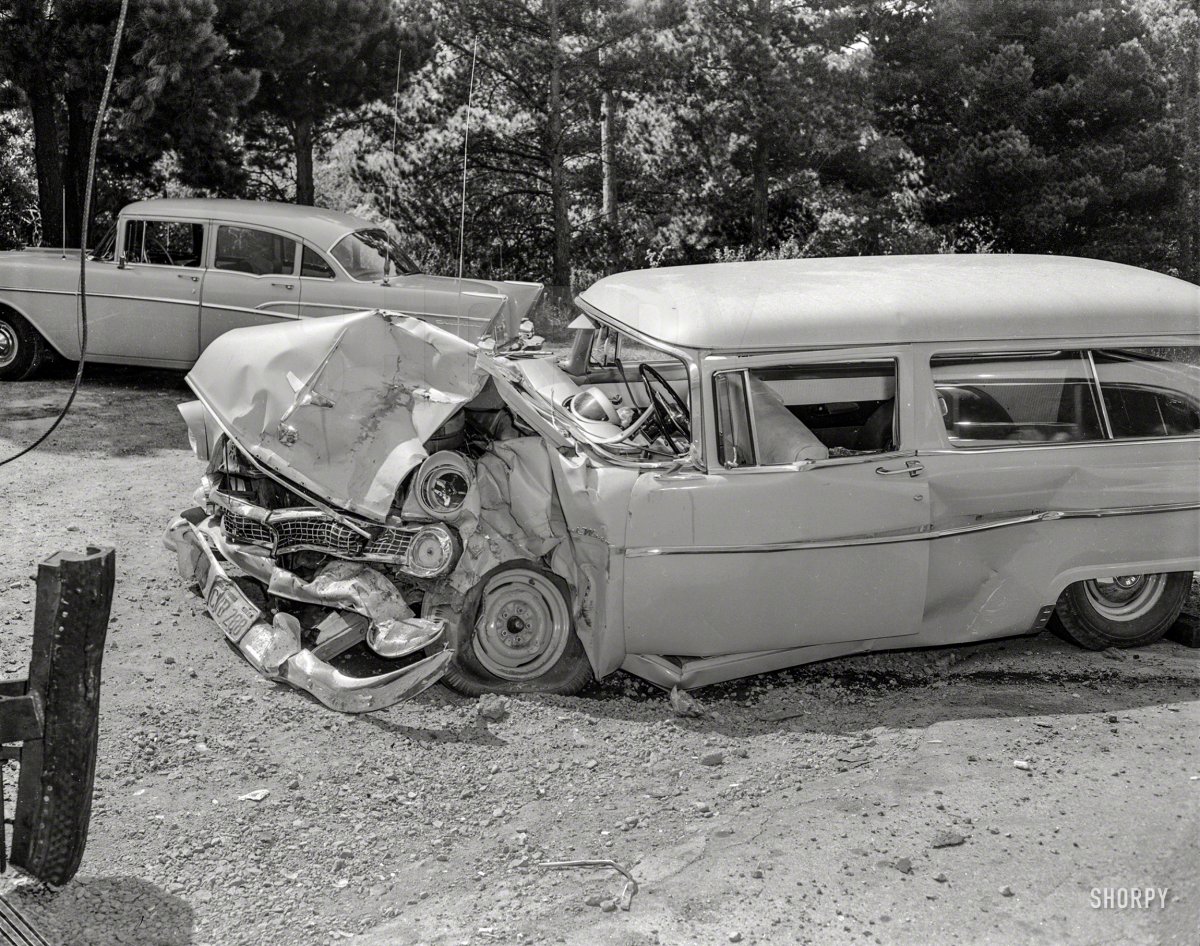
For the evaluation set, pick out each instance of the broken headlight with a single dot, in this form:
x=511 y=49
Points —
x=432 y=552
x=442 y=484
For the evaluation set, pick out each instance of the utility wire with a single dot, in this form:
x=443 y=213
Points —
x=83 y=238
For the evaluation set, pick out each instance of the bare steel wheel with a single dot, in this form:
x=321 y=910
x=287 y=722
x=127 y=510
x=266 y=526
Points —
x=1122 y=610
x=523 y=625
x=515 y=635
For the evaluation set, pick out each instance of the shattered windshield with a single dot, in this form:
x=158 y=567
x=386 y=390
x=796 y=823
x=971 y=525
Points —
x=364 y=254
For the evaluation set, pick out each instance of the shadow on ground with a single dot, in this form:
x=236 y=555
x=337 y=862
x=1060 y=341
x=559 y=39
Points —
x=104 y=417
x=102 y=911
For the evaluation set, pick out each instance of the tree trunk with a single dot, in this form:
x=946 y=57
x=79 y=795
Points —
x=608 y=168
x=302 y=136
x=79 y=145
x=47 y=156
x=561 y=275
x=760 y=176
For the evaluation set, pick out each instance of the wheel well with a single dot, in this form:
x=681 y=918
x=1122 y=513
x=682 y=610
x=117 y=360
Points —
x=7 y=308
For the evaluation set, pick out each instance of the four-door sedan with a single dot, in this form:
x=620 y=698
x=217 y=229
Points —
x=172 y=275
x=740 y=467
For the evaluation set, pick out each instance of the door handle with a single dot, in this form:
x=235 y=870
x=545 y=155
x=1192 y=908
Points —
x=282 y=285
x=911 y=467
x=186 y=276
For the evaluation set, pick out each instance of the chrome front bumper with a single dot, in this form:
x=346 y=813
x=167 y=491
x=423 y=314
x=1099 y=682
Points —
x=273 y=647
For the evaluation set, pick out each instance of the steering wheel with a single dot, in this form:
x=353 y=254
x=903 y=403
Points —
x=162 y=248
x=669 y=409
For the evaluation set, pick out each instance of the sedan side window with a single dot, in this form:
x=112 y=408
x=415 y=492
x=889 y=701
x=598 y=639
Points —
x=805 y=413
x=992 y=398
x=313 y=266
x=1150 y=392
x=256 y=252
x=164 y=243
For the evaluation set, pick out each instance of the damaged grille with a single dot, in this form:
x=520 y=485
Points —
x=309 y=529
x=323 y=533
x=243 y=529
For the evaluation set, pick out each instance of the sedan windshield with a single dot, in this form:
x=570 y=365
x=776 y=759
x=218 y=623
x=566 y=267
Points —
x=365 y=254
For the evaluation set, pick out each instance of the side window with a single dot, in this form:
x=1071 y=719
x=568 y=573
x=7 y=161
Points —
x=164 y=242
x=1017 y=397
x=806 y=413
x=257 y=252
x=1150 y=392
x=312 y=265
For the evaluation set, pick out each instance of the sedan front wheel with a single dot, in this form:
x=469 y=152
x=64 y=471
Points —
x=1122 y=610
x=22 y=349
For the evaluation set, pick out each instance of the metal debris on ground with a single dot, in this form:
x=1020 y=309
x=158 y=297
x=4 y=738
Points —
x=631 y=885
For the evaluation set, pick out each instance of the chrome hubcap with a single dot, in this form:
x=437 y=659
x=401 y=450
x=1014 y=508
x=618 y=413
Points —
x=1125 y=597
x=523 y=625
x=8 y=344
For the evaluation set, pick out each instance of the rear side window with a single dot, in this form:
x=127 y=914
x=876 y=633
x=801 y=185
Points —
x=164 y=242
x=313 y=266
x=1150 y=392
x=255 y=252
x=1026 y=397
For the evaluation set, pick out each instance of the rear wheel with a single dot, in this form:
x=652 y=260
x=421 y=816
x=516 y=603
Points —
x=22 y=349
x=1122 y=610
x=515 y=635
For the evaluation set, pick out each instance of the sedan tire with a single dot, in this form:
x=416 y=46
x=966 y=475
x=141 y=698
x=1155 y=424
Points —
x=22 y=349
x=1122 y=610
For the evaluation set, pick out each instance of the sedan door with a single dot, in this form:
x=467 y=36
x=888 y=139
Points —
x=807 y=527
x=145 y=306
x=252 y=280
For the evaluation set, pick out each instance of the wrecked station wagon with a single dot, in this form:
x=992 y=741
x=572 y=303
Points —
x=173 y=274
x=737 y=468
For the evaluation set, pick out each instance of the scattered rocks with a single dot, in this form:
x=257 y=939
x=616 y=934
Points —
x=256 y=796
x=713 y=757
x=608 y=906
x=903 y=864
x=941 y=878
x=1006 y=891
x=1022 y=765
x=735 y=937
x=684 y=704
x=492 y=707
x=948 y=839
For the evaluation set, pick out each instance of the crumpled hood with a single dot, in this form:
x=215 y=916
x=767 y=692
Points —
x=340 y=405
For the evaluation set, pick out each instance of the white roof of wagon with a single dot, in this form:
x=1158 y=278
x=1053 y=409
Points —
x=322 y=227
x=867 y=300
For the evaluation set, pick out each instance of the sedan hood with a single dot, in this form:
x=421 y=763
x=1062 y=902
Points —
x=340 y=406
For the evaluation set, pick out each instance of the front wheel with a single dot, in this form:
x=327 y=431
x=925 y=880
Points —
x=22 y=349
x=515 y=635
x=1122 y=610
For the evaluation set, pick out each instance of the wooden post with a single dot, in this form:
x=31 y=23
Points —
x=58 y=715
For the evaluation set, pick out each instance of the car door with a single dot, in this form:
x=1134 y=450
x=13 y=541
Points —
x=1046 y=463
x=252 y=279
x=806 y=527
x=145 y=305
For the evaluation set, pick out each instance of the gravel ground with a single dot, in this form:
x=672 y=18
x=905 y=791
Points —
x=872 y=799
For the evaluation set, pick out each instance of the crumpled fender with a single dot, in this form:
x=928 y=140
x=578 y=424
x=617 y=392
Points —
x=274 y=648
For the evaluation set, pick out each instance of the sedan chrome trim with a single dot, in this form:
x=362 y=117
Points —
x=910 y=535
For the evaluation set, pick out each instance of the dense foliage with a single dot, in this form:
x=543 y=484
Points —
x=610 y=134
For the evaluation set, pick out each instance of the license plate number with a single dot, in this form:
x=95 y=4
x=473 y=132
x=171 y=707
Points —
x=232 y=611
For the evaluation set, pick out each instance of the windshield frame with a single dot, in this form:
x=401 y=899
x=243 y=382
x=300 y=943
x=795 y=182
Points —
x=402 y=264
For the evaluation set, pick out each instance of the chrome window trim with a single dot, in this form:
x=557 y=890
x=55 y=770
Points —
x=899 y=453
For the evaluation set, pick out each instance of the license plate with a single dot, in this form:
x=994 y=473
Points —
x=232 y=610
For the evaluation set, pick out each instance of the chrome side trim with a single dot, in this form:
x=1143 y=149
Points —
x=911 y=535
x=259 y=309
x=106 y=295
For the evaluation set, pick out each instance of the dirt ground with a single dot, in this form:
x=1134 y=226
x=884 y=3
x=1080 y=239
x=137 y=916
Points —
x=865 y=800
